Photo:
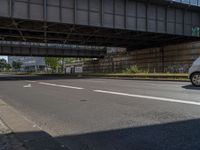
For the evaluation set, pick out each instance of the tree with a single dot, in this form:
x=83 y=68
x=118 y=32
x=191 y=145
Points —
x=3 y=64
x=69 y=60
x=16 y=65
x=8 y=66
x=52 y=62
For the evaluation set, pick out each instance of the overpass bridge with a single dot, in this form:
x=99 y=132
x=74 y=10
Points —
x=132 y=24
x=45 y=49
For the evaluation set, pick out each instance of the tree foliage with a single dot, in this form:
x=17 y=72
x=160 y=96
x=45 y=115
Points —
x=17 y=65
x=69 y=60
x=52 y=62
x=4 y=65
x=56 y=63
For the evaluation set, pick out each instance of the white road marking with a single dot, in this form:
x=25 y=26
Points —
x=31 y=81
x=150 y=97
x=63 y=86
x=28 y=86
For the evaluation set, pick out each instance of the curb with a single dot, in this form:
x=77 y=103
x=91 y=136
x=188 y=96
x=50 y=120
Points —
x=175 y=78
x=4 y=129
x=144 y=78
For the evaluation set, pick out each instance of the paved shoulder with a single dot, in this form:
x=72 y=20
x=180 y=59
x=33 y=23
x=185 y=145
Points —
x=19 y=133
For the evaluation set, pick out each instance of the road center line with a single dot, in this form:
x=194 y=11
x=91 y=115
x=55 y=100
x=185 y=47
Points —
x=150 y=97
x=63 y=86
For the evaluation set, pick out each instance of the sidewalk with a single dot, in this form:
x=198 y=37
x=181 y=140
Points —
x=19 y=133
x=8 y=141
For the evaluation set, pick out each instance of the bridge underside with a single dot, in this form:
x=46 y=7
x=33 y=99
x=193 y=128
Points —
x=132 y=24
x=34 y=31
x=44 y=50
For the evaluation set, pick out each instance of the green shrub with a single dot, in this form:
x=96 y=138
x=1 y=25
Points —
x=133 y=69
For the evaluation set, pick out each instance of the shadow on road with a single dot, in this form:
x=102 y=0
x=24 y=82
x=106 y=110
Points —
x=183 y=135
x=190 y=87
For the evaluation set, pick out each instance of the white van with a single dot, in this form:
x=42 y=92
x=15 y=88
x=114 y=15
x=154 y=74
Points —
x=194 y=73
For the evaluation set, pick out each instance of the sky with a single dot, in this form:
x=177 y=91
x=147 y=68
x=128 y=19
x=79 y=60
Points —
x=4 y=57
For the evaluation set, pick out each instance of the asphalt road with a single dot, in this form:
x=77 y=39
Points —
x=107 y=114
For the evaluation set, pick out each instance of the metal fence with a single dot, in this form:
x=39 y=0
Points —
x=173 y=59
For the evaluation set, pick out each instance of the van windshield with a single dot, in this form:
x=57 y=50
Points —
x=197 y=62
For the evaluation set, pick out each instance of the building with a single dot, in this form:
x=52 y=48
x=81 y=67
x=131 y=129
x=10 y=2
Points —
x=29 y=64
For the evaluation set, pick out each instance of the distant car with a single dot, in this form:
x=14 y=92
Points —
x=194 y=73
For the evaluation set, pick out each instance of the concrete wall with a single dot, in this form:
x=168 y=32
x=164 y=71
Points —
x=175 y=58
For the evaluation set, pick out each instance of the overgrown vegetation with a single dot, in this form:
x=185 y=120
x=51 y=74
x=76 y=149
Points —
x=134 y=69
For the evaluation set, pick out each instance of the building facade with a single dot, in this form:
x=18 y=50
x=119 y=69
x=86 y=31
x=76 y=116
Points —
x=29 y=64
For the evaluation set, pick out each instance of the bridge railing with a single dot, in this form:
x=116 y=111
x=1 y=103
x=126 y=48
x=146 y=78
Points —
x=190 y=2
x=50 y=45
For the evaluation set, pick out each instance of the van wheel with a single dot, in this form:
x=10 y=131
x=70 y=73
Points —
x=195 y=79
